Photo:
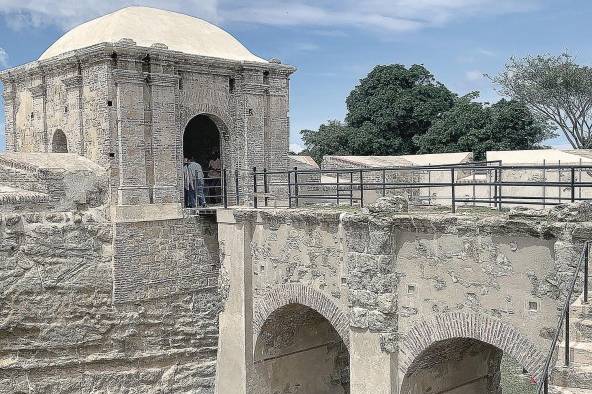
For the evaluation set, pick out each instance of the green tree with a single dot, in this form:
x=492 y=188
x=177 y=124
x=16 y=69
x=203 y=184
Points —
x=555 y=88
x=474 y=127
x=393 y=104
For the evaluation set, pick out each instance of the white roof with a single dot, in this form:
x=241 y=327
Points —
x=538 y=156
x=306 y=160
x=407 y=160
x=148 y=26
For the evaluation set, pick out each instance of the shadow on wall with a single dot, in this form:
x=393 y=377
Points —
x=298 y=350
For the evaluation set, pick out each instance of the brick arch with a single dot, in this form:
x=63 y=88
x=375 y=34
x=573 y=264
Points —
x=220 y=117
x=283 y=295
x=469 y=325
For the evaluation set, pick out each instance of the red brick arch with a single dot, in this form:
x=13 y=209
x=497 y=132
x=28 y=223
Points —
x=469 y=325
x=287 y=294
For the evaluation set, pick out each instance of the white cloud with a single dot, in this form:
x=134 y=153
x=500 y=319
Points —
x=3 y=58
x=378 y=15
x=296 y=148
x=474 y=75
x=68 y=13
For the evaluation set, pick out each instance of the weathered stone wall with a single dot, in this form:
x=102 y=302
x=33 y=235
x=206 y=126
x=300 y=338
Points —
x=126 y=107
x=405 y=281
x=64 y=329
x=299 y=350
x=154 y=259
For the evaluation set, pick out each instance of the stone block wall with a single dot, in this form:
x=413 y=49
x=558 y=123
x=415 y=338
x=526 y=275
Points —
x=154 y=259
x=406 y=281
x=63 y=329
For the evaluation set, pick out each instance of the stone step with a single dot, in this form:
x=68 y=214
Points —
x=579 y=310
x=575 y=376
x=582 y=330
x=580 y=353
x=567 y=390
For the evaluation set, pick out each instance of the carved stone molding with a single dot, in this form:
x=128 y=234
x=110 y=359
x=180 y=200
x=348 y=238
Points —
x=38 y=90
x=73 y=82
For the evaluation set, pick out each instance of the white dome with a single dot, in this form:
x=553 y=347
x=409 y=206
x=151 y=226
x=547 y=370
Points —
x=148 y=26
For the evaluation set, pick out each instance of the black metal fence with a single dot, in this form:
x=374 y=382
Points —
x=477 y=184
x=564 y=319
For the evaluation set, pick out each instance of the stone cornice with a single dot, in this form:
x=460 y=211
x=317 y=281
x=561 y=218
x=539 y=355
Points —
x=38 y=90
x=162 y=79
x=127 y=76
x=73 y=82
x=102 y=52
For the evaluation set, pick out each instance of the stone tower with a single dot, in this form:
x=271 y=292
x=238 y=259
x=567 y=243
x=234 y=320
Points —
x=124 y=89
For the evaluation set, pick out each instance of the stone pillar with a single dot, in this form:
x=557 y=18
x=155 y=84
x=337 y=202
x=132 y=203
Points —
x=164 y=138
x=10 y=126
x=132 y=188
x=371 y=369
x=39 y=132
x=235 y=344
x=74 y=91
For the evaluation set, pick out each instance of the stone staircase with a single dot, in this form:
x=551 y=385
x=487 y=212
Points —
x=577 y=378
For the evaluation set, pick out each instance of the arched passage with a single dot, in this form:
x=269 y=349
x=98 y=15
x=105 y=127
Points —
x=59 y=142
x=201 y=143
x=299 y=350
x=454 y=350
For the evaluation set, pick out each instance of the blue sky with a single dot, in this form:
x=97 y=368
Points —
x=335 y=43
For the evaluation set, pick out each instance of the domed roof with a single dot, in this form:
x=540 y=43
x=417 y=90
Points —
x=148 y=26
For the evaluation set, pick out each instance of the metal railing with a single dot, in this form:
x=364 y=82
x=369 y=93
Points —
x=543 y=384
x=485 y=184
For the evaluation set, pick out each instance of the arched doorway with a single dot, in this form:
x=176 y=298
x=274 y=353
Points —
x=59 y=142
x=201 y=143
x=465 y=365
x=298 y=350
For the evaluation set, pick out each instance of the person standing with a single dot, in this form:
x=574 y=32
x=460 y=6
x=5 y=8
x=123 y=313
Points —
x=193 y=183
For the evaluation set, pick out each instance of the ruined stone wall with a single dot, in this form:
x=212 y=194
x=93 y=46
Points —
x=63 y=328
x=157 y=258
x=405 y=281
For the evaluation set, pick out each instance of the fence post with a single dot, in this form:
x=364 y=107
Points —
x=255 y=187
x=265 y=186
x=567 y=336
x=351 y=188
x=224 y=191
x=289 y=189
x=546 y=383
x=544 y=182
x=500 y=197
x=452 y=190
x=573 y=184
x=586 y=254
x=236 y=186
x=296 y=185
x=383 y=182
x=361 y=189
x=337 y=173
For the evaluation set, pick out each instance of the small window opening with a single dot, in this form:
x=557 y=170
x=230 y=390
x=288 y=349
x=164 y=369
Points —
x=411 y=289
x=146 y=64
x=266 y=77
x=111 y=154
x=533 y=306
x=109 y=103
x=231 y=83
x=32 y=115
x=66 y=109
x=59 y=143
x=180 y=83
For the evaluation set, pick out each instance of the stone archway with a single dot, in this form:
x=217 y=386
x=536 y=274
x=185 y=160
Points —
x=59 y=142
x=465 y=332
x=283 y=295
x=203 y=143
x=297 y=349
